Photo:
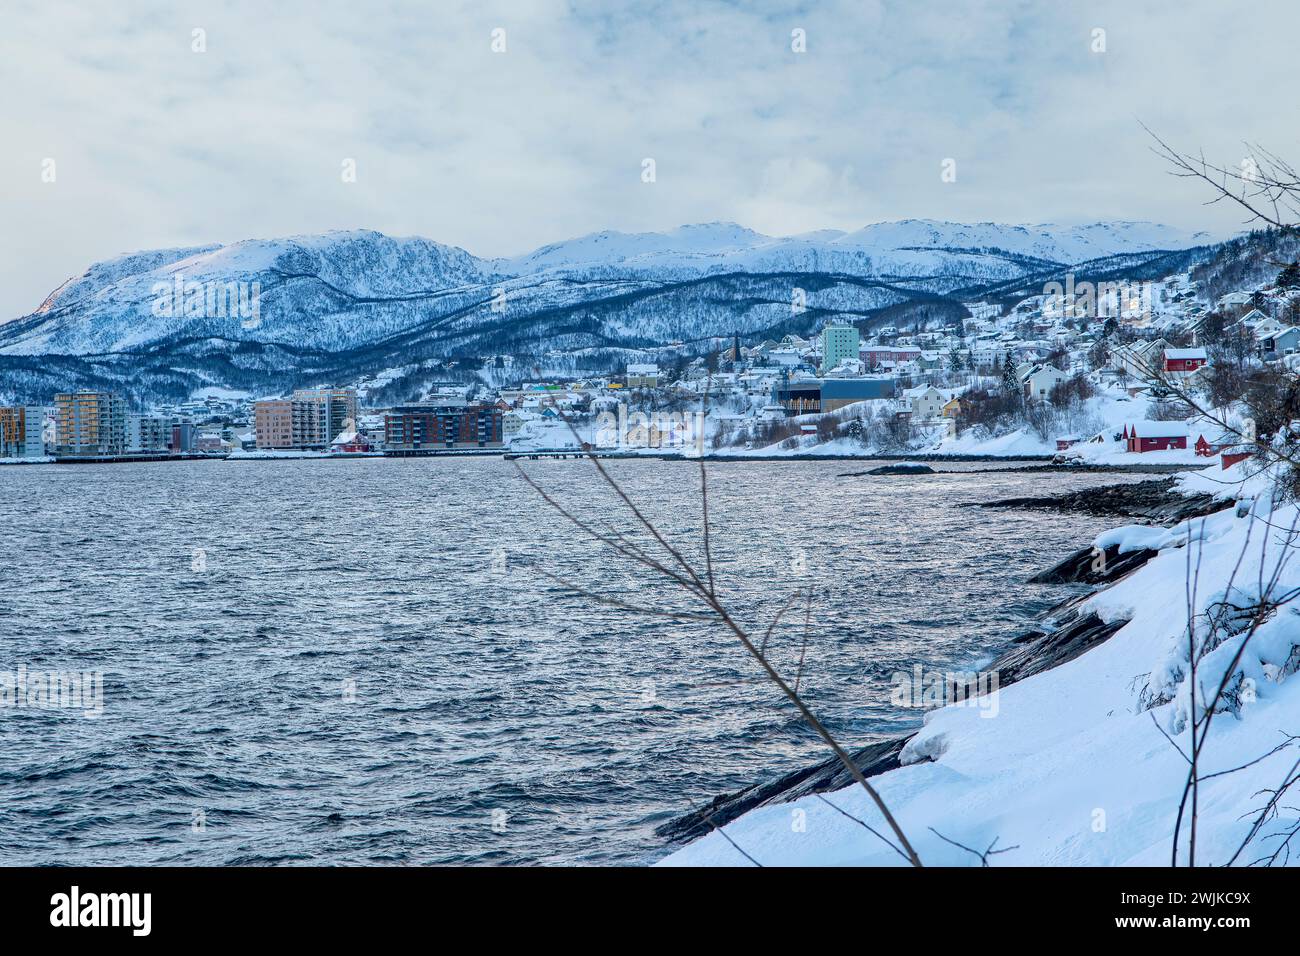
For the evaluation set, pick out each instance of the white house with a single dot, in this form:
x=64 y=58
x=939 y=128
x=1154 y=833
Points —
x=926 y=402
x=1141 y=359
x=1040 y=381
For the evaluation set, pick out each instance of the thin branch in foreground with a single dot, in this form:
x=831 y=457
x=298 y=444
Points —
x=983 y=857
x=862 y=823
x=702 y=589
x=722 y=832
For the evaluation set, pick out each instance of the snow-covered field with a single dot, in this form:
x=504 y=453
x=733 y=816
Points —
x=1072 y=766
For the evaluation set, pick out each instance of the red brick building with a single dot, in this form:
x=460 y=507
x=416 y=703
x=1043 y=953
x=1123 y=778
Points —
x=424 y=429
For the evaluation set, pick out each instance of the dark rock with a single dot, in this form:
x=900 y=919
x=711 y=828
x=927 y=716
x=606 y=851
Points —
x=1153 y=501
x=1062 y=638
x=825 y=777
x=1084 y=566
x=901 y=470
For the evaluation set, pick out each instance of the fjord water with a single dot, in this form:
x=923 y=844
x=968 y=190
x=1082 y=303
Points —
x=370 y=661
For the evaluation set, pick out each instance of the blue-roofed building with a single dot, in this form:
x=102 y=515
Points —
x=805 y=396
x=838 y=392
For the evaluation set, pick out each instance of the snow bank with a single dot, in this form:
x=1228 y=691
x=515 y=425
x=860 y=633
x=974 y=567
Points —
x=1072 y=766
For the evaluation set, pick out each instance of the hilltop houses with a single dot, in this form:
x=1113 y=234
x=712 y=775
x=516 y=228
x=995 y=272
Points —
x=1275 y=345
x=1139 y=359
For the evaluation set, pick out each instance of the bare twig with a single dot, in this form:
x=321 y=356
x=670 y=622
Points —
x=702 y=589
x=983 y=857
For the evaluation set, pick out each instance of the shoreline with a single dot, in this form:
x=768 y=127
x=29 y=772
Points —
x=1012 y=463
x=1060 y=634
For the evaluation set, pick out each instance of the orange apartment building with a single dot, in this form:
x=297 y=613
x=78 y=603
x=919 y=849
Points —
x=90 y=424
x=311 y=418
x=273 y=423
x=22 y=430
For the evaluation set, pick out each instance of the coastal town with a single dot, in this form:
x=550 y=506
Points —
x=1081 y=371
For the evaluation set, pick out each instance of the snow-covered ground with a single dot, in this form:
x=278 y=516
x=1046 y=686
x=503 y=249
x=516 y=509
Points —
x=1070 y=767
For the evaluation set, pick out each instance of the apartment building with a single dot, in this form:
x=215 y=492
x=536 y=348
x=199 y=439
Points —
x=273 y=423
x=90 y=423
x=22 y=431
x=645 y=375
x=310 y=418
x=325 y=413
x=183 y=434
x=839 y=342
x=422 y=429
x=147 y=433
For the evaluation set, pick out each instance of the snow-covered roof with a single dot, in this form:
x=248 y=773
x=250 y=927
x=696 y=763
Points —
x=1185 y=354
x=1154 y=429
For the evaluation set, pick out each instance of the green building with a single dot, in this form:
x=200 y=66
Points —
x=839 y=342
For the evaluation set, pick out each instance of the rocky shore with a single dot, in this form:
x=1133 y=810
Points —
x=1063 y=633
x=1155 y=502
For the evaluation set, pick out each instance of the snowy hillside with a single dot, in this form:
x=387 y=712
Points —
x=306 y=286
x=348 y=304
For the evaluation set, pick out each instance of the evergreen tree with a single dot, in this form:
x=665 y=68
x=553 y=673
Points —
x=1010 y=381
x=1289 y=278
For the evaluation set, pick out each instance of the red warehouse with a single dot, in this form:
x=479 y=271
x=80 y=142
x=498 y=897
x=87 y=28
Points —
x=1155 y=436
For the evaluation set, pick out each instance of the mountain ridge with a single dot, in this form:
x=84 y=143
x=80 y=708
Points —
x=359 y=302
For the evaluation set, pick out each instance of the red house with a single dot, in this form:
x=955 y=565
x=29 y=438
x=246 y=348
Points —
x=1184 y=360
x=1155 y=436
x=1230 y=458
x=1208 y=449
x=351 y=443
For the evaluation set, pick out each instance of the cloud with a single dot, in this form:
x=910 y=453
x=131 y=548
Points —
x=156 y=144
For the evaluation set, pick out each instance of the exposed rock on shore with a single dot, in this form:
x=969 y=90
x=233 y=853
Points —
x=904 y=469
x=1091 y=566
x=1154 y=501
x=1063 y=634
x=825 y=777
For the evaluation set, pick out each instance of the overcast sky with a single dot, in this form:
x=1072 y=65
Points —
x=156 y=145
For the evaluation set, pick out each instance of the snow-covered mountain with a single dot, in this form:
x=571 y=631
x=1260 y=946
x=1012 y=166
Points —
x=350 y=303
x=910 y=247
